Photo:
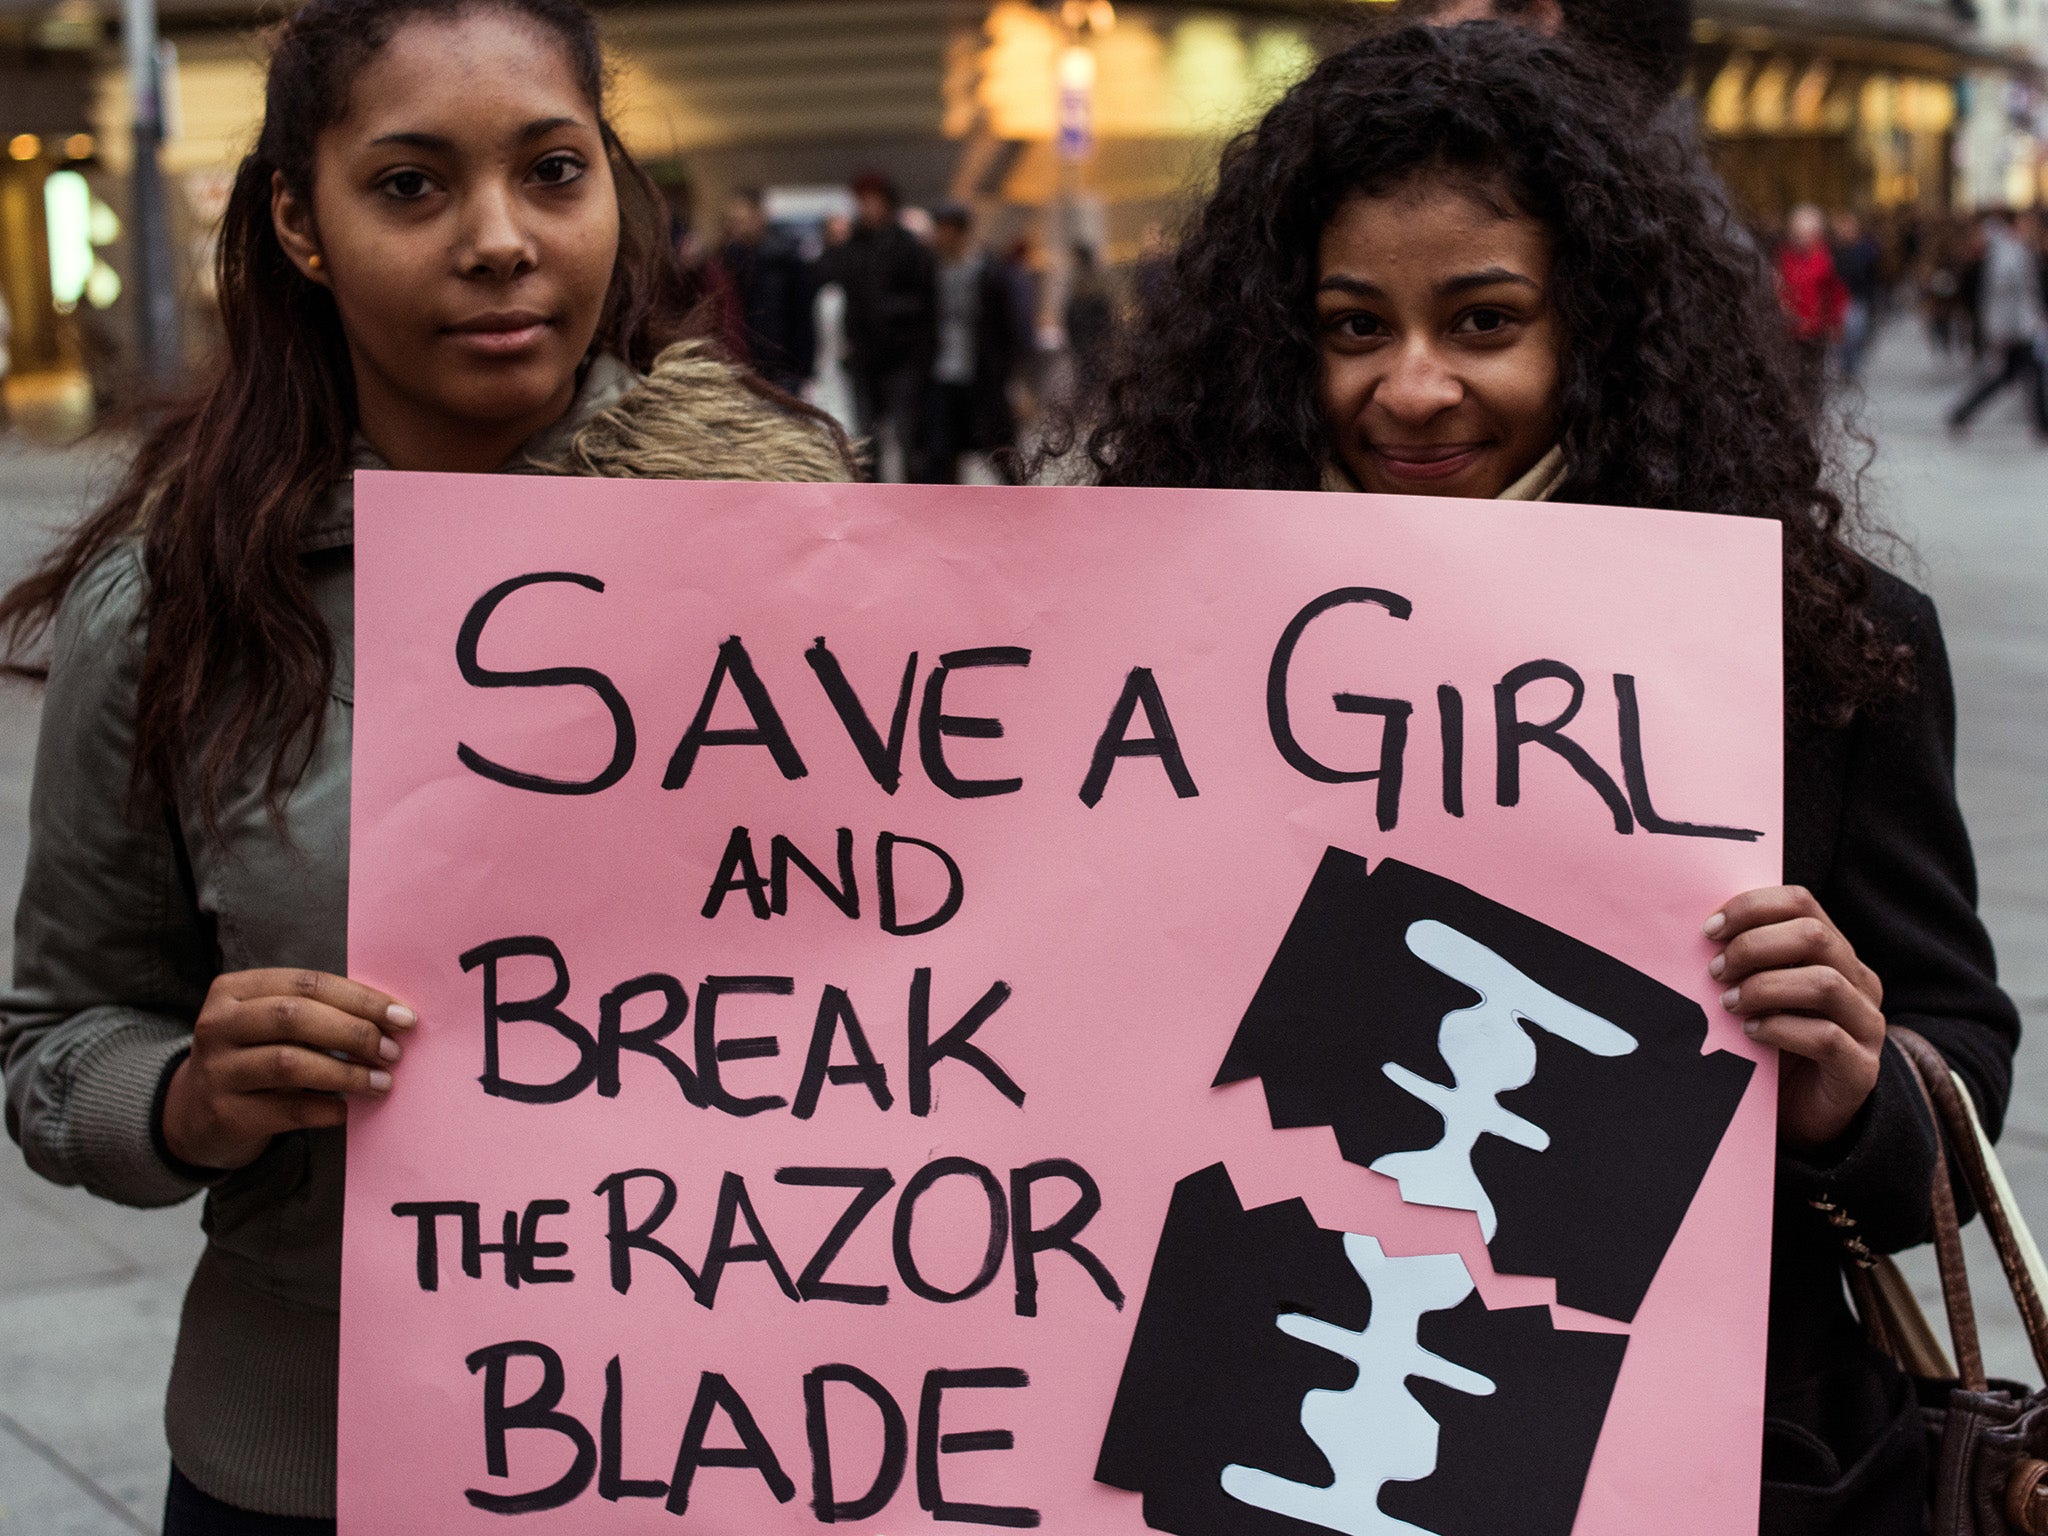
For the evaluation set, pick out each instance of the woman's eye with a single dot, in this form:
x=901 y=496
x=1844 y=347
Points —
x=1359 y=327
x=558 y=170
x=1481 y=322
x=406 y=186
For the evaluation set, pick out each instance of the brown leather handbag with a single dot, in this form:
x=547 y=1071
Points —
x=1987 y=1440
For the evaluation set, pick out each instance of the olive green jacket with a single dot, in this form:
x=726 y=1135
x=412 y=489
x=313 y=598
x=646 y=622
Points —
x=129 y=910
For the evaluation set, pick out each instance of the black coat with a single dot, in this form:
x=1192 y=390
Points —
x=892 y=302
x=998 y=343
x=776 y=294
x=1873 y=829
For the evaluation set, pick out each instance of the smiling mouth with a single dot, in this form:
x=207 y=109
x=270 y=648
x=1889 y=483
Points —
x=1427 y=461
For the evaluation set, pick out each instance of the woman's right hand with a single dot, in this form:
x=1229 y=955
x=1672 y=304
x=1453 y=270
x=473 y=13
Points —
x=275 y=1051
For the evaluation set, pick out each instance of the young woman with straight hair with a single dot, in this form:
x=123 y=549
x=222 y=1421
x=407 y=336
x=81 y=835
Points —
x=1451 y=262
x=438 y=257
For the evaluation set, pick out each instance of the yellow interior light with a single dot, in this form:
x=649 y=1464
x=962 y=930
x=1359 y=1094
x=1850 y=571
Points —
x=24 y=146
x=1723 y=107
x=79 y=146
x=1208 y=68
x=1281 y=58
x=1077 y=69
x=1770 y=97
x=1018 y=89
x=1809 y=97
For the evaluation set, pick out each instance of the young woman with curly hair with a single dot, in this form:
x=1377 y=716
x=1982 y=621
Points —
x=1452 y=263
x=437 y=257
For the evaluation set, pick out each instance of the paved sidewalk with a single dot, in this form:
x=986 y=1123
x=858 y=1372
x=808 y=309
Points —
x=1976 y=514
x=89 y=1292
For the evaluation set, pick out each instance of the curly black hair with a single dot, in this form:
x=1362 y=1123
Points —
x=1680 y=387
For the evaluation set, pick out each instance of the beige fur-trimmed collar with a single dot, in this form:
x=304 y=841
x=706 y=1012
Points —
x=1541 y=483
x=694 y=418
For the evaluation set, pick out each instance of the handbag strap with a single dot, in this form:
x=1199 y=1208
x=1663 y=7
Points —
x=1954 y=1114
x=1948 y=1232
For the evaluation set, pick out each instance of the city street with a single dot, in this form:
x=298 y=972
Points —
x=90 y=1292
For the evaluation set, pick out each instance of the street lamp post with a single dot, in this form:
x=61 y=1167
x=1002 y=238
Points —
x=1081 y=23
x=156 y=298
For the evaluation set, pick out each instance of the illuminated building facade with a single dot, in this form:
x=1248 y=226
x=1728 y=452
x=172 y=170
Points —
x=1064 y=119
x=47 y=69
x=1873 y=104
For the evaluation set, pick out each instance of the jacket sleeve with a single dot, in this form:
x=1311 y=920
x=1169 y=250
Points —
x=1903 y=890
x=112 y=958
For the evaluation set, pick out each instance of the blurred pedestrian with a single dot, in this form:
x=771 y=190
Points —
x=831 y=387
x=1910 y=247
x=178 y=1021
x=772 y=289
x=1019 y=269
x=1816 y=302
x=1941 y=290
x=1023 y=282
x=2040 y=227
x=2011 y=318
x=1973 y=247
x=968 y=409
x=1558 y=313
x=1090 y=321
x=890 y=283
x=1859 y=262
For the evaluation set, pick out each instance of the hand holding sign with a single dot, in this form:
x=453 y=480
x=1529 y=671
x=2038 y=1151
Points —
x=275 y=1051
x=1799 y=985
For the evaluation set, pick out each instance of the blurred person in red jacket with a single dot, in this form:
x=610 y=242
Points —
x=1815 y=298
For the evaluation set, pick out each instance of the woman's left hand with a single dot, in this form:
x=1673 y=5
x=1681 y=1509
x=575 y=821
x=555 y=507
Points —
x=1796 y=983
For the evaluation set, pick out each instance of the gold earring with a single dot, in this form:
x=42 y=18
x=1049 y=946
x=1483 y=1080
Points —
x=314 y=262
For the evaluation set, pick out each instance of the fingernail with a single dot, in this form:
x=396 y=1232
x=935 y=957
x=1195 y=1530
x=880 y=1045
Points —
x=1716 y=966
x=388 y=1048
x=1730 y=998
x=1751 y=1026
x=398 y=1016
x=380 y=1080
x=1716 y=923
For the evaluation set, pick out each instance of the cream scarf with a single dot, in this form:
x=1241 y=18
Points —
x=1541 y=483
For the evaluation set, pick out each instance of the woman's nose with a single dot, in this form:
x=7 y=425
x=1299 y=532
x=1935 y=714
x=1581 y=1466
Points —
x=1418 y=385
x=497 y=242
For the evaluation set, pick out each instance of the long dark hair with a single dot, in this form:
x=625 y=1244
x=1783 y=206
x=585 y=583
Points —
x=1680 y=387
x=237 y=660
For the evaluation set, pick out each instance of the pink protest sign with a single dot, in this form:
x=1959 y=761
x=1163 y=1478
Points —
x=1099 y=1011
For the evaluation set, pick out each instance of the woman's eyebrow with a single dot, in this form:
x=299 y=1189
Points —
x=442 y=144
x=541 y=125
x=432 y=142
x=1486 y=277
x=1358 y=287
